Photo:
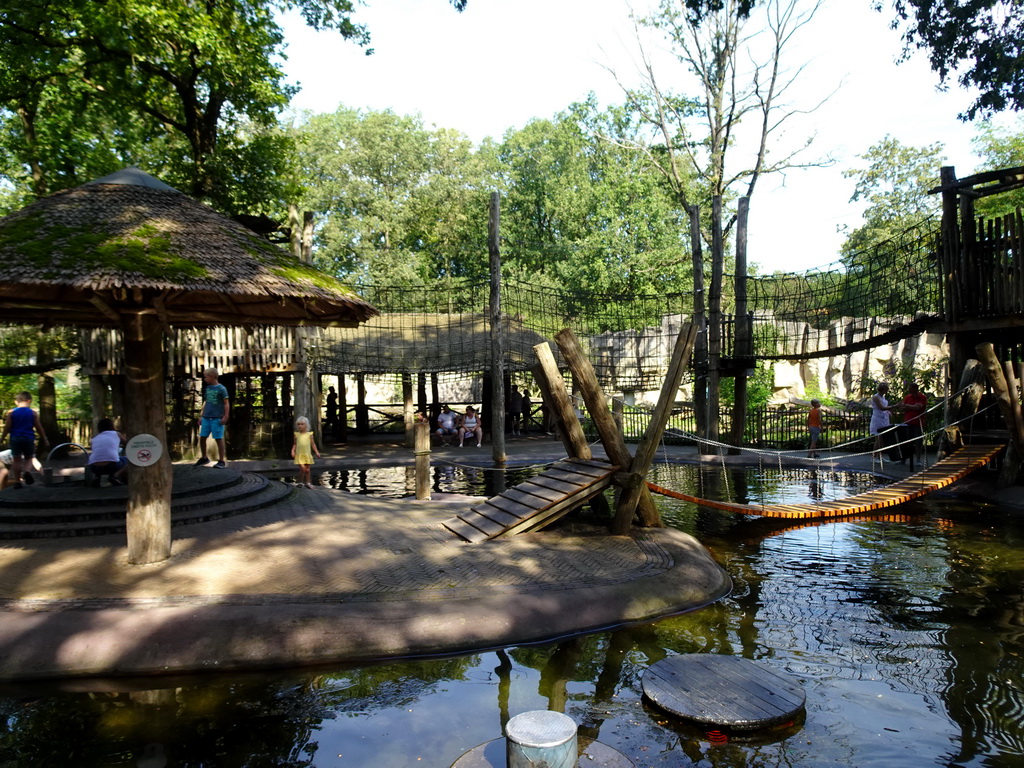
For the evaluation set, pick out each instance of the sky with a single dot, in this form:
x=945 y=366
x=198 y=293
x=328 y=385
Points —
x=501 y=63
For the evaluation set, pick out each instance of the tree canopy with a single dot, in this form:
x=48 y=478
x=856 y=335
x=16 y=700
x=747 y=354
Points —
x=185 y=90
x=979 y=42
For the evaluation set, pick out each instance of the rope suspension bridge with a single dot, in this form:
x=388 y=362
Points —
x=941 y=474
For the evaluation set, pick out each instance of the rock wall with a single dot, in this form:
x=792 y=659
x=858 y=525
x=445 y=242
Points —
x=632 y=355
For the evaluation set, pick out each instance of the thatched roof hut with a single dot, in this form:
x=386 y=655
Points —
x=125 y=242
x=129 y=251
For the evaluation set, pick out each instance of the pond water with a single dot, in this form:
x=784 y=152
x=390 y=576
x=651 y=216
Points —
x=907 y=636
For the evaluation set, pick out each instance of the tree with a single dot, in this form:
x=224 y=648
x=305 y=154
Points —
x=90 y=84
x=999 y=147
x=977 y=41
x=396 y=203
x=732 y=79
x=887 y=267
x=586 y=210
x=894 y=183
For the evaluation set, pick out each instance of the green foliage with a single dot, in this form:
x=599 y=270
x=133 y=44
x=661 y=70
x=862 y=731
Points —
x=587 y=209
x=395 y=202
x=999 y=147
x=760 y=387
x=898 y=373
x=187 y=91
x=977 y=41
x=894 y=183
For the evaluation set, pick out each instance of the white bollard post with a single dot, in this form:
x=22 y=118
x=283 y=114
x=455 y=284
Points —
x=541 y=739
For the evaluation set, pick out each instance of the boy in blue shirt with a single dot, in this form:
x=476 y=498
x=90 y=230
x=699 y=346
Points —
x=22 y=424
x=215 y=415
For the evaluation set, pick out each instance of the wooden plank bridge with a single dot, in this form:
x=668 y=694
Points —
x=535 y=503
x=942 y=473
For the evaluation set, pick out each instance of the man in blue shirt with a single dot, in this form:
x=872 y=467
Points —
x=215 y=415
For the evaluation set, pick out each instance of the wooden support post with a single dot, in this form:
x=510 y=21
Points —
x=656 y=427
x=408 y=410
x=98 y=399
x=421 y=394
x=1013 y=389
x=553 y=391
x=362 y=411
x=422 y=447
x=1001 y=390
x=341 y=430
x=700 y=318
x=148 y=521
x=741 y=344
x=614 y=445
x=715 y=320
x=497 y=414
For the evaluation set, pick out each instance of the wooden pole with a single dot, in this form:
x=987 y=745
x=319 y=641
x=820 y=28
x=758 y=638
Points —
x=341 y=430
x=614 y=446
x=553 y=391
x=97 y=398
x=1012 y=387
x=148 y=521
x=741 y=347
x=715 y=319
x=362 y=411
x=408 y=410
x=959 y=409
x=422 y=447
x=497 y=352
x=1001 y=390
x=700 y=318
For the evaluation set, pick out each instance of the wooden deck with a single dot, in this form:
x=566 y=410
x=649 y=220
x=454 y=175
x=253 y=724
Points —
x=939 y=475
x=537 y=502
x=728 y=691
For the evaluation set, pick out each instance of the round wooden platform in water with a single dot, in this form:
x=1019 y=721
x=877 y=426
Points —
x=727 y=691
x=492 y=755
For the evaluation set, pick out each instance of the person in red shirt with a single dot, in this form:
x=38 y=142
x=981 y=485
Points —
x=814 y=428
x=914 y=405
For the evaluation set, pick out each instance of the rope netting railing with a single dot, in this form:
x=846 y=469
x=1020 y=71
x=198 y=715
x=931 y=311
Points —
x=872 y=295
x=446 y=328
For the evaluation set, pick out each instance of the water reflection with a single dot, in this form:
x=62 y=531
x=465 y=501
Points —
x=906 y=634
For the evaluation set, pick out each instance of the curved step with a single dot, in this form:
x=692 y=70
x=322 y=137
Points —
x=249 y=493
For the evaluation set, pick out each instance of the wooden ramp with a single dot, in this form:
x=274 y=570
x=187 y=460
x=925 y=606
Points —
x=535 y=503
x=939 y=475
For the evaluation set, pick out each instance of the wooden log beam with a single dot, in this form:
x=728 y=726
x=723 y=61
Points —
x=1001 y=390
x=649 y=443
x=148 y=522
x=994 y=372
x=611 y=438
x=552 y=389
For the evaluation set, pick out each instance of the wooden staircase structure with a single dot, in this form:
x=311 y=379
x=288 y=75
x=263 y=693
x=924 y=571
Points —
x=535 y=503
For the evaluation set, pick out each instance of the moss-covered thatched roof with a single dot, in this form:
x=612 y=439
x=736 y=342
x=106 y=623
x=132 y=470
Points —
x=128 y=242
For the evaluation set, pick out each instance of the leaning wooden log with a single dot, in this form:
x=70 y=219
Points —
x=1000 y=388
x=553 y=392
x=611 y=437
x=962 y=407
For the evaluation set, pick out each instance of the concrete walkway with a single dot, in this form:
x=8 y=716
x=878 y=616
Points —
x=327 y=576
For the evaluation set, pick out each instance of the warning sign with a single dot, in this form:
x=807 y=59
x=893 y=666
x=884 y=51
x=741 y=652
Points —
x=143 y=450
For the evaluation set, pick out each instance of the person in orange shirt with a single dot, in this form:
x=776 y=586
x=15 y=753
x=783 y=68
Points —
x=914 y=406
x=814 y=427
